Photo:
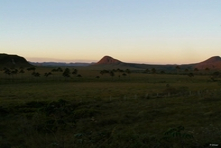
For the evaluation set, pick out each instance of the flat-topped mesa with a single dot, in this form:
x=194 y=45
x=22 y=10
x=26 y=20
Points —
x=108 y=60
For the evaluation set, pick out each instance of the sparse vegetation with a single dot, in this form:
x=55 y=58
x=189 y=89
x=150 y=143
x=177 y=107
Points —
x=99 y=110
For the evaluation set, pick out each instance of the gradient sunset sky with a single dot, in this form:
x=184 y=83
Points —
x=142 y=31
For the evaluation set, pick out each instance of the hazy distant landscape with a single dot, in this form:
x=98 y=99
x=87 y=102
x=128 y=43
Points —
x=110 y=74
x=212 y=63
x=58 y=64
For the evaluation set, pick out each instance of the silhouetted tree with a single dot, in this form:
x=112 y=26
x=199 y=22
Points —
x=79 y=76
x=178 y=69
x=207 y=70
x=196 y=70
x=66 y=73
x=153 y=70
x=36 y=74
x=215 y=75
x=15 y=71
x=112 y=74
x=75 y=71
x=47 y=74
x=120 y=70
x=186 y=70
x=101 y=72
x=21 y=71
x=31 y=69
x=59 y=69
x=7 y=71
x=162 y=72
x=128 y=71
x=147 y=70
x=124 y=74
x=191 y=75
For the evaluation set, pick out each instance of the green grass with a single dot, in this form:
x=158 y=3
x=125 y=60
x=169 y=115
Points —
x=131 y=111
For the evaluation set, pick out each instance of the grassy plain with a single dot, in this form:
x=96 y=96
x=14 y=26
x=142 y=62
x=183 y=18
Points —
x=134 y=110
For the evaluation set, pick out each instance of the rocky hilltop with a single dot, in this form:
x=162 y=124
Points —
x=211 y=63
x=108 y=60
x=7 y=60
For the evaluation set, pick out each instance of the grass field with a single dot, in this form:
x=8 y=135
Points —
x=90 y=109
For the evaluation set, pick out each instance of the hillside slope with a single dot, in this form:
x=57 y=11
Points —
x=7 y=60
x=211 y=63
x=108 y=60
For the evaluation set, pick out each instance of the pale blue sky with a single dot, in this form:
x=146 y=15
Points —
x=143 y=31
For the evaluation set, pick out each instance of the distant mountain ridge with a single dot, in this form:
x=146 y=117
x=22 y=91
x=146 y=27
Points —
x=7 y=60
x=60 y=64
x=108 y=61
x=211 y=63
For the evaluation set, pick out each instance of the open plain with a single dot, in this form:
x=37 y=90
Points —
x=80 y=107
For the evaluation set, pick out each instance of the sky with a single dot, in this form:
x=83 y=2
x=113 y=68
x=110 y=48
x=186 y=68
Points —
x=141 y=31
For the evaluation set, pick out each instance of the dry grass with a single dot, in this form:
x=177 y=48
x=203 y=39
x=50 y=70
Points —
x=109 y=112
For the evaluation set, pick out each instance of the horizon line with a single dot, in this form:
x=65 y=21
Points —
x=54 y=60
